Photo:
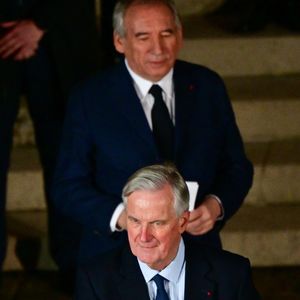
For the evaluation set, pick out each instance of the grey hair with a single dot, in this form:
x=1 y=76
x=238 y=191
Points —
x=155 y=177
x=123 y=5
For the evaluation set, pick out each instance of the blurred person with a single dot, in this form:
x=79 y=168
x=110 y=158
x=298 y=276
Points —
x=45 y=48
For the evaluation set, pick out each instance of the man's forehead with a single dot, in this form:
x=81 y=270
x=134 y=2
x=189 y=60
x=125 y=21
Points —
x=151 y=198
x=140 y=10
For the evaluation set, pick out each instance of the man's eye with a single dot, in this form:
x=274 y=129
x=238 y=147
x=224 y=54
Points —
x=158 y=223
x=142 y=37
x=134 y=221
x=167 y=34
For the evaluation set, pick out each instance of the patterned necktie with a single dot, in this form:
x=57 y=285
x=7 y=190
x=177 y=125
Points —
x=161 y=292
x=163 y=128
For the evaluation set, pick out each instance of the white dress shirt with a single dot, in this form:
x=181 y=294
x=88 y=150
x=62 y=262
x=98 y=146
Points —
x=174 y=273
x=142 y=87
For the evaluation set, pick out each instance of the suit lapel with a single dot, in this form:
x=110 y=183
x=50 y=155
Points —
x=132 y=284
x=127 y=283
x=198 y=285
x=185 y=91
x=130 y=106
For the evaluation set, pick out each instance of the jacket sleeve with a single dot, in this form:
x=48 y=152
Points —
x=247 y=290
x=75 y=191
x=234 y=174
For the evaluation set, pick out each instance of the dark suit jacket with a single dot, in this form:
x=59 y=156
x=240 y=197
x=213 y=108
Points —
x=107 y=138
x=210 y=274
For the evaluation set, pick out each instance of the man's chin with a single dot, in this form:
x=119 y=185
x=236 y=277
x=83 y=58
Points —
x=145 y=255
x=152 y=263
x=148 y=261
x=160 y=72
x=157 y=72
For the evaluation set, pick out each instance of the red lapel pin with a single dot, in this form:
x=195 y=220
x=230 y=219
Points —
x=191 y=87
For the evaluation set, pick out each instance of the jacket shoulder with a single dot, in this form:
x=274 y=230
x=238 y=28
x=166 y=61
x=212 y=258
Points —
x=219 y=259
x=226 y=259
x=98 y=277
x=108 y=262
x=103 y=78
x=191 y=69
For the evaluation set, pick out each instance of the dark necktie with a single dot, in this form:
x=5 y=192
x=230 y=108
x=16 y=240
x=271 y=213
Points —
x=161 y=292
x=163 y=128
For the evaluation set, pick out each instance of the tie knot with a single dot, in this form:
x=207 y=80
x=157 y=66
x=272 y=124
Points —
x=159 y=281
x=161 y=293
x=155 y=90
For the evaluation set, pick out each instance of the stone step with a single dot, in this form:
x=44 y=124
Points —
x=267 y=107
x=276 y=179
x=23 y=129
x=25 y=180
x=268 y=235
x=27 y=224
x=276 y=172
x=273 y=51
x=187 y=8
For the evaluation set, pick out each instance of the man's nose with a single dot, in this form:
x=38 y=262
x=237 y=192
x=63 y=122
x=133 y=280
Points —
x=157 y=46
x=145 y=234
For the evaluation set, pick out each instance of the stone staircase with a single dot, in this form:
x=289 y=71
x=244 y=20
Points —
x=262 y=74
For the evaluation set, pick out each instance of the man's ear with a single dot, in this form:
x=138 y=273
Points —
x=183 y=221
x=119 y=42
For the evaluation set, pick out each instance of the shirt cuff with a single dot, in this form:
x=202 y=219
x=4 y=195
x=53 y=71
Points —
x=221 y=217
x=115 y=216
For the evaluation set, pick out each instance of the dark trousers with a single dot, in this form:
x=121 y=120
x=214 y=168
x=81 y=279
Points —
x=36 y=79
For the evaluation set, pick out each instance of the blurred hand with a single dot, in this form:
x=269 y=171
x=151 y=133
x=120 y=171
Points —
x=203 y=218
x=21 y=40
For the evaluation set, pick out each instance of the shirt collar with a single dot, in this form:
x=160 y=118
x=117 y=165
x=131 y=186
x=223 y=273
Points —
x=143 y=85
x=171 y=272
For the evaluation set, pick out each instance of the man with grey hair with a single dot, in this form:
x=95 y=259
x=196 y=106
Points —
x=122 y=7
x=158 y=264
x=154 y=178
x=149 y=109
